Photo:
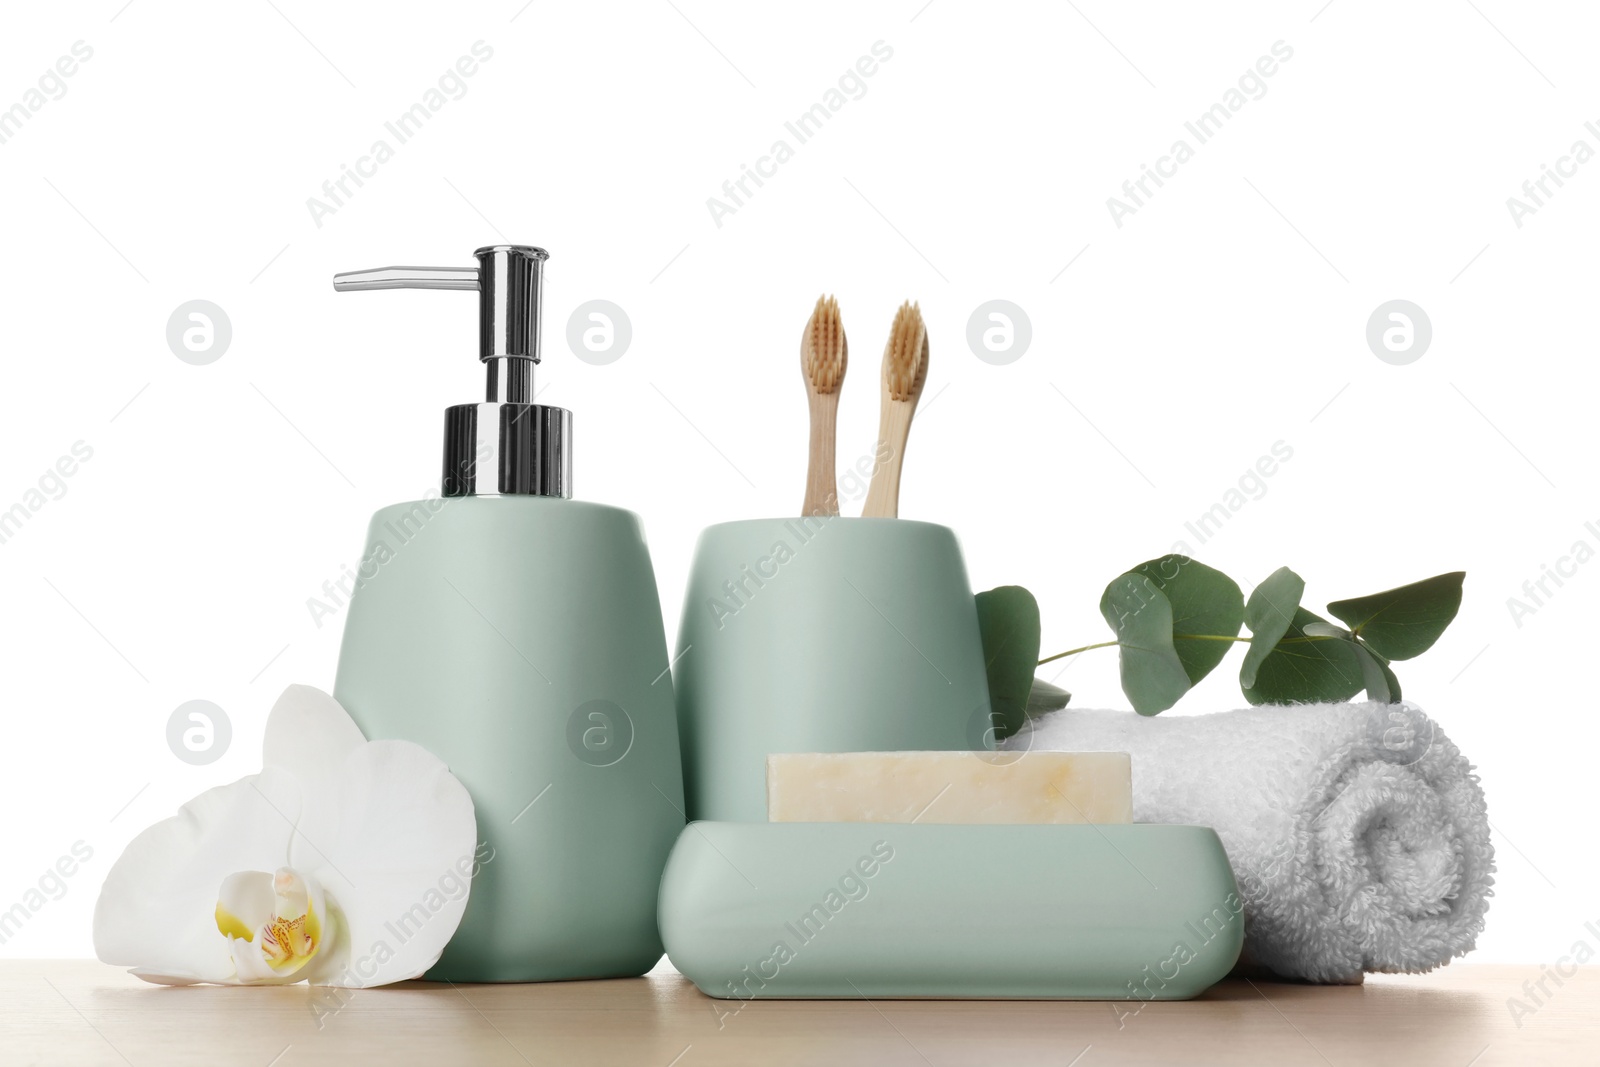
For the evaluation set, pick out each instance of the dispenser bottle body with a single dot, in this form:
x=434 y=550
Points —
x=519 y=638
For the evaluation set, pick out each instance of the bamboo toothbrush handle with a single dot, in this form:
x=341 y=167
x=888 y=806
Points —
x=894 y=427
x=822 y=492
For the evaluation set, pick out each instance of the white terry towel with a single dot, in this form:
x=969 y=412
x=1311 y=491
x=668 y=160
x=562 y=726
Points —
x=1357 y=832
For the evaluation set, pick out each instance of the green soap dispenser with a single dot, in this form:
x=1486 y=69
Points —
x=516 y=634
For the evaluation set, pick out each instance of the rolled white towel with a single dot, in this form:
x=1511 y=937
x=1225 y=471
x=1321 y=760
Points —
x=1357 y=832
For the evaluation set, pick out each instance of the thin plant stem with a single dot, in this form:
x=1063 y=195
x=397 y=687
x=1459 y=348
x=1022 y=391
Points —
x=1192 y=637
x=1075 y=651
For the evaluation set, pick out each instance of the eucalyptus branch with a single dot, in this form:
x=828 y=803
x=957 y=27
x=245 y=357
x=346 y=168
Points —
x=1294 y=655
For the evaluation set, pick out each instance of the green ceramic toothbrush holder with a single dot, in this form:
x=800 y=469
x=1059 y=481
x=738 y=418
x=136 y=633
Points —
x=822 y=634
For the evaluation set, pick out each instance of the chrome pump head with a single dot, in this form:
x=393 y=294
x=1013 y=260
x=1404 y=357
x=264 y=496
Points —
x=507 y=445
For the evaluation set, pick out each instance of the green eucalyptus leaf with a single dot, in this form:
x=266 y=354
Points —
x=1046 y=697
x=1404 y=622
x=1205 y=602
x=1373 y=675
x=1269 y=614
x=1306 y=669
x=1326 y=629
x=1153 y=675
x=1008 y=625
x=1379 y=680
x=1394 y=683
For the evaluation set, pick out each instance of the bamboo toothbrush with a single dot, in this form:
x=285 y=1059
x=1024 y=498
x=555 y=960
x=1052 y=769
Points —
x=905 y=369
x=823 y=355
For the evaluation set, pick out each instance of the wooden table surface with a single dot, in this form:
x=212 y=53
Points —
x=82 y=1012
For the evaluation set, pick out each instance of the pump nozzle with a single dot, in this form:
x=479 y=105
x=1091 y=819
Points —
x=527 y=443
x=509 y=280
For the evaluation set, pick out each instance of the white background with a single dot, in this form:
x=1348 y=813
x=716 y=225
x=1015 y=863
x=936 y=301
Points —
x=1227 y=314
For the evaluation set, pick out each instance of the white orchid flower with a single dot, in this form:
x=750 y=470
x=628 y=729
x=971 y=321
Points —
x=345 y=862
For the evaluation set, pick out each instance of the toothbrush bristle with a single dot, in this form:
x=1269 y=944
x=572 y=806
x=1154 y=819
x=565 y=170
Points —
x=905 y=361
x=824 y=355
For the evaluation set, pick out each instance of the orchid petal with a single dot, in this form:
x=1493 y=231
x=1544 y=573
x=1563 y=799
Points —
x=398 y=863
x=309 y=735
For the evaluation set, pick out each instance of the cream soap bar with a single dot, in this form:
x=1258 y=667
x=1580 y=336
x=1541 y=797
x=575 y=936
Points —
x=950 y=787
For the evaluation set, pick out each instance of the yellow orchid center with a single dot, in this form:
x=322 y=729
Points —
x=273 y=923
x=284 y=942
x=294 y=933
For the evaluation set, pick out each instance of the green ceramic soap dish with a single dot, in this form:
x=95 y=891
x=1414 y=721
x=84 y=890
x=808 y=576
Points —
x=852 y=910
